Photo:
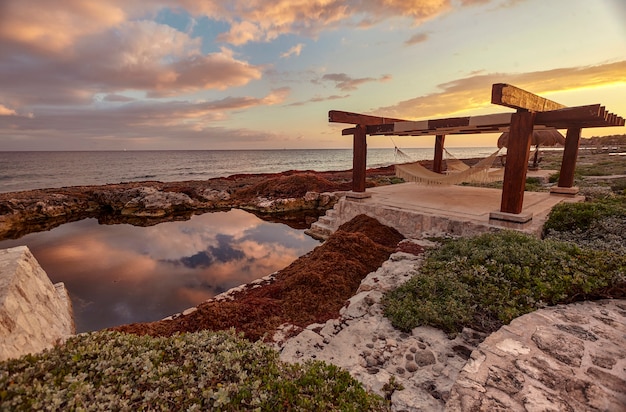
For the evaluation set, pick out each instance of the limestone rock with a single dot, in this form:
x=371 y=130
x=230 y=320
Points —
x=563 y=358
x=34 y=313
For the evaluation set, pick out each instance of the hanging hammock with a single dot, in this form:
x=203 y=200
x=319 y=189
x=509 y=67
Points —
x=453 y=164
x=458 y=173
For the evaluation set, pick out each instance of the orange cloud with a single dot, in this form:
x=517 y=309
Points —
x=475 y=92
x=55 y=27
x=263 y=20
x=346 y=83
x=5 y=111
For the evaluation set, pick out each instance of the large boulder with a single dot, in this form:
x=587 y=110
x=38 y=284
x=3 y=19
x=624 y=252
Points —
x=34 y=313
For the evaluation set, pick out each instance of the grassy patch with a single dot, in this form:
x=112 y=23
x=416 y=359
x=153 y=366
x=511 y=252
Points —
x=486 y=281
x=196 y=371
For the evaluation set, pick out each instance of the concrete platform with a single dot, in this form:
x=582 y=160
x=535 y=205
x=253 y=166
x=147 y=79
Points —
x=419 y=211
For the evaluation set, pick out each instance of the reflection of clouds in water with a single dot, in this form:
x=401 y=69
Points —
x=122 y=274
x=173 y=240
x=99 y=256
x=196 y=295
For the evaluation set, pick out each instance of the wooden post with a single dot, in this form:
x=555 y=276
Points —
x=438 y=159
x=359 y=159
x=570 y=154
x=518 y=150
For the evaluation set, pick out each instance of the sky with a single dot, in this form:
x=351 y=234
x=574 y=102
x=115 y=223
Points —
x=263 y=74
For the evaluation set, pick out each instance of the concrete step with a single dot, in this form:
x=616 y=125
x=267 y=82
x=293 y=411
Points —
x=332 y=213
x=326 y=220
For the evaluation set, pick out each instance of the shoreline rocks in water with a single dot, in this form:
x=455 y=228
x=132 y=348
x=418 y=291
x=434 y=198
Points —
x=294 y=197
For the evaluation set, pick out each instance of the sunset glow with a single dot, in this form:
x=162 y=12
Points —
x=257 y=74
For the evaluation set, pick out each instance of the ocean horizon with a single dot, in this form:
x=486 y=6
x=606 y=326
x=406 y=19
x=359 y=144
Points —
x=28 y=170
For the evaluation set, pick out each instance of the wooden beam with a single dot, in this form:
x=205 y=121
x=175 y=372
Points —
x=517 y=162
x=594 y=115
x=438 y=159
x=380 y=129
x=510 y=96
x=359 y=159
x=337 y=116
x=570 y=154
x=348 y=132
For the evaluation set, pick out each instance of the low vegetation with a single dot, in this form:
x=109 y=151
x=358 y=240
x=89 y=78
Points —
x=598 y=224
x=217 y=371
x=486 y=281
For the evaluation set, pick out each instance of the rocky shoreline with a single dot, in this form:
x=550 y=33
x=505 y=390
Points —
x=564 y=358
x=294 y=197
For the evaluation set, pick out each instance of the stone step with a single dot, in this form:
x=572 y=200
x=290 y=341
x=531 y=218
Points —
x=332 y=213
x=326 y=220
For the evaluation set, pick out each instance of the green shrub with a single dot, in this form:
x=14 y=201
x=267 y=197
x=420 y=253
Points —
x=195 y=371
x=533 y=184
x=486 y=281
x=567 y=217
x=599 y=224
x=554 y=177
x=619 y=186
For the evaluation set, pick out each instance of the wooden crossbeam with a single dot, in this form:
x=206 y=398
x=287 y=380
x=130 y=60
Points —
x=510 y=96
x=594 y=115
x=455 y=125
x=337 y=116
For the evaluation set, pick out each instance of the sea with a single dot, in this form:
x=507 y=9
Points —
x=38 y=170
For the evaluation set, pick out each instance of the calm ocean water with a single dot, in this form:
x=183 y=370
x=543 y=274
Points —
x=39 y=170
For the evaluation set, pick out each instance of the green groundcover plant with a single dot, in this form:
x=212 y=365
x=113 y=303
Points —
x=486 y=281
x=598 y=224
x=196 y=371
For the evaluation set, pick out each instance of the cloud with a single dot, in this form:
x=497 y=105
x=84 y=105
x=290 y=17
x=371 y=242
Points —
x=170 y=124
x=474 y=92
x=318 y=99
x=142 y=56
x=346 y=83
x=297 y=49
x=416 y=38
x=5 y=111
x=49 y=27
x=264 y=20
x=117 y=98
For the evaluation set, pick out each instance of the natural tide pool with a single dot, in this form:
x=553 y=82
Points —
x=119 y=274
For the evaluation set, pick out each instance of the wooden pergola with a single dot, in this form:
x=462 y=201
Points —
x=532 y=113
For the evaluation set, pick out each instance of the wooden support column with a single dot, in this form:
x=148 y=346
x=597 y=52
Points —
x=359 y=159
x=518 y=151
x=570 y=154
x=438 y=159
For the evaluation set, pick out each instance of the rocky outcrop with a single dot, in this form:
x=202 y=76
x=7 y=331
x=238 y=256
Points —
x=149 y=203
x=34 y=313
x=414 y=370
x=563 y=358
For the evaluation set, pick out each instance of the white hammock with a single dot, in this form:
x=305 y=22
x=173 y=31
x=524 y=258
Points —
x=458 y=172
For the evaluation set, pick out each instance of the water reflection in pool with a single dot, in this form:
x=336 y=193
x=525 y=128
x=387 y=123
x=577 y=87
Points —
x=122 y=274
